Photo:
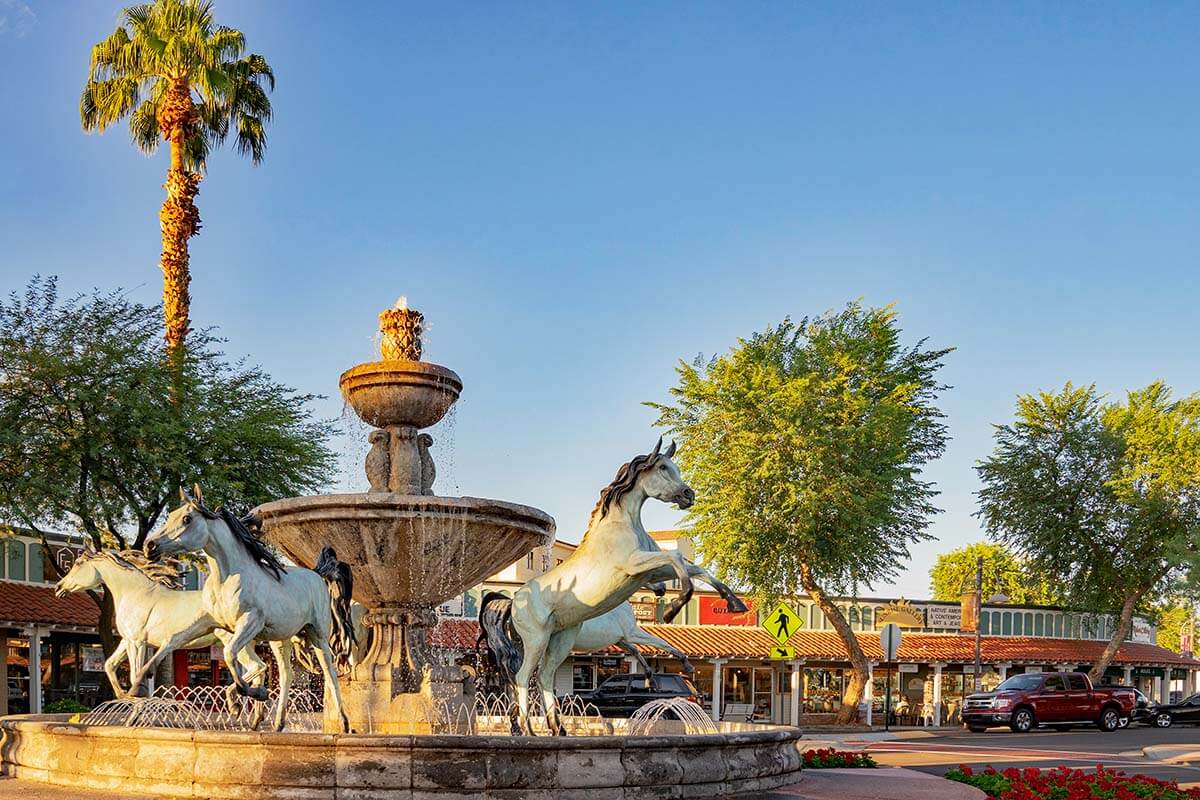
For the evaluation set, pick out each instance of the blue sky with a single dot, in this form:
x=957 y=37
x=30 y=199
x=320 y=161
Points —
x=577 y=195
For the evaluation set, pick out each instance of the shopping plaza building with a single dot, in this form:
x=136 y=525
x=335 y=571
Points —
x=731 y=653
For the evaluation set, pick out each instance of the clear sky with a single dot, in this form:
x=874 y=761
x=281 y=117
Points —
x=577 y=195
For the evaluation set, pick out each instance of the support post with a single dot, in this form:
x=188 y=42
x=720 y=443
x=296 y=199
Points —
x=1128 y=677
x=35 y=671
x=718 y=690
x=1002 y=671
x=797 y=690
x=869 y=690
x=937 y=694
x=632 y=666
x=4 y=675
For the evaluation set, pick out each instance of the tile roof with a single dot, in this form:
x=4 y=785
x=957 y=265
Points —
x=30 y=603
x=743 y=641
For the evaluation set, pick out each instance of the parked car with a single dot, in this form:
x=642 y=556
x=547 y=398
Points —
x=1053 y=699
x=621 y=695
x=1185 y=711
x=1144 y=710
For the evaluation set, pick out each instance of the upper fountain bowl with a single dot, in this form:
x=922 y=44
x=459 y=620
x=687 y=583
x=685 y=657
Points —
x=410 y=393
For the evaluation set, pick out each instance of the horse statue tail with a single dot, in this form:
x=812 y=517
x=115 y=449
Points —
x=340 y=582
x=495 y=614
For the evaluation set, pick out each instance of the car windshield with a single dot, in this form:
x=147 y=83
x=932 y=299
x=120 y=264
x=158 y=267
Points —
x=1020 y=683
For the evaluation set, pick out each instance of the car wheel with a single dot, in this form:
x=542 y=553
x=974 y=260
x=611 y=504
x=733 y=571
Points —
x=1124 y=723
x=1163 y=720
x=976 y=728
x=1110 y=720
x=1022 y=721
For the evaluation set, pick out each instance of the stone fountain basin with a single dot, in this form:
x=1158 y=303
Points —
x=409 y=550
x=414 y=393
x=312 y=766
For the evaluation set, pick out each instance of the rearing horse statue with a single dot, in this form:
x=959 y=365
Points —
x=615 y=558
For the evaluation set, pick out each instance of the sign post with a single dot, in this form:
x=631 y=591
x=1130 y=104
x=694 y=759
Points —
x=889 y=641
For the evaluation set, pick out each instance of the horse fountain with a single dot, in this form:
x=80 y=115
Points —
x=409 y=550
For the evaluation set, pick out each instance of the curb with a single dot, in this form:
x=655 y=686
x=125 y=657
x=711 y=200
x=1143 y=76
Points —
x=1173 y=753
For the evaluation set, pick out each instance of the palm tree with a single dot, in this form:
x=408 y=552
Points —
x=181 y=78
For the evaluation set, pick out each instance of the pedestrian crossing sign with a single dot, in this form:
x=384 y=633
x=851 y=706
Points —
x=782 y=623
x=783 y=652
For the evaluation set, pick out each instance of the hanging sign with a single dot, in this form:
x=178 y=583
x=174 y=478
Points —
x=901 y=613
x=783 y=652
x=907 y=668
x=715 y=611
x=782 y=623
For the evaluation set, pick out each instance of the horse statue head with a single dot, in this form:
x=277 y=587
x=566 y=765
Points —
x=655 y=474
x=193 y=527
x=87 y=572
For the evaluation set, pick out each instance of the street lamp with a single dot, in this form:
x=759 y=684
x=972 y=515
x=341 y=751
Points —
x=996 y=599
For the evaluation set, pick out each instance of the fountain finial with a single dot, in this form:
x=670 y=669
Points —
x=401 y=328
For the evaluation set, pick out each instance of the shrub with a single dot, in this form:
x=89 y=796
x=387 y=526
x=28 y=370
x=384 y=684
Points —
x=828 y=758
x=1064 y=783
x=67 y=705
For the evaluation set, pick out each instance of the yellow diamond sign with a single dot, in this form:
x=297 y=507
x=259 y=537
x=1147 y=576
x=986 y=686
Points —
x=782 y=623
x=783 y=652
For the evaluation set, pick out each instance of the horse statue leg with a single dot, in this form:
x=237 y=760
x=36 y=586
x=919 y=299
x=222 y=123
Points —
x=732 y=601
x=557 y=651
x=178 y=639
x=637 y=654
x=649 y=562
x=249 y=625
x=110 y=667
x=282 y=649
x=639 y=637
x=329 y=671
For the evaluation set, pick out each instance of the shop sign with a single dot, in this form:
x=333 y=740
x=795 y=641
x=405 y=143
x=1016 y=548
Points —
x=645 y=611
x=1149 y=672
x=908 y=667
x=609 y=661
x=949 y=617
x=782 y=623
x=901 y=613
x=783 y=652
x=1179 y=674
x=1038 y=668
x=1142 y=631
x=715 y=611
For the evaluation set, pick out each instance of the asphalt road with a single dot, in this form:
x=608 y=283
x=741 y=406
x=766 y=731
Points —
x=1081 y=749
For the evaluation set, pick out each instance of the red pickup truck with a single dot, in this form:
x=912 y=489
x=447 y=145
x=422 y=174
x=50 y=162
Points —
x=1052 y=699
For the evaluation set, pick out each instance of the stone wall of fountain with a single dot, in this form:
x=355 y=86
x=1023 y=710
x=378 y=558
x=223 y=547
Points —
x=410 y=549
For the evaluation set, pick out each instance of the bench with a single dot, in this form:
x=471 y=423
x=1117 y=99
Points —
x=737 y=712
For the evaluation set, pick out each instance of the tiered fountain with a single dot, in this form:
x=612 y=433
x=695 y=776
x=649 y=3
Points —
x=410 y=550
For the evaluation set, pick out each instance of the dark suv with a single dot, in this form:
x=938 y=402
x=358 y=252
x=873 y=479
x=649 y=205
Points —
x=621 y=695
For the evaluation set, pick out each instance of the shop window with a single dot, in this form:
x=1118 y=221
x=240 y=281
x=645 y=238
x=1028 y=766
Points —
x=1039 y=625
x=984 y=620
x=1028 y=623
x=1007 y=623
x=854 y=618
x=1058 y=625
x=823 y=691
x=1018 y=623
x=35 y=567
x=867 y=621
x=583 y=678
x=16 y=560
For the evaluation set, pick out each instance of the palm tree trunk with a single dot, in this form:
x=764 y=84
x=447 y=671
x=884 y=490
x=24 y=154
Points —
x=179 y=217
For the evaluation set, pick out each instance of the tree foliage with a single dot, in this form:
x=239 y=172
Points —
x=805 y=445
x=94 y=439
x=1102 y=497
x=1003 y=573
x=170 y=44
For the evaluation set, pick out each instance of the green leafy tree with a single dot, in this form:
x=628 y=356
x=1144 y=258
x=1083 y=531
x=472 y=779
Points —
x=805 y=445
x=1101 y=497
x=180 y=78
x=94 y=439
x=1174 y=621
x=1003 y=573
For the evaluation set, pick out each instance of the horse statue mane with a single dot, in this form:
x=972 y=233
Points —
x=625 y=480
x=253 y=543
x=166 y=573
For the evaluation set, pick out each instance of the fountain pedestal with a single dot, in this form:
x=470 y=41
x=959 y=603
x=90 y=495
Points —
x=409 y=550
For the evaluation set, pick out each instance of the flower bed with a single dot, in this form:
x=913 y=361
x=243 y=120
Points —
x=828 y=758
x=1064 y=783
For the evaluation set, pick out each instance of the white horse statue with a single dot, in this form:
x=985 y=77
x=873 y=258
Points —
x=149 y=609
x=251 y=594
x=619 y=627
x=615 y=558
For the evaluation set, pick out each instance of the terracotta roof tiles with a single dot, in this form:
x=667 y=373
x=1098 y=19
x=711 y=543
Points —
x=33 y=604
